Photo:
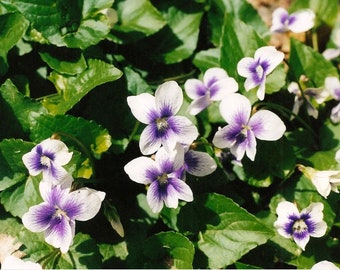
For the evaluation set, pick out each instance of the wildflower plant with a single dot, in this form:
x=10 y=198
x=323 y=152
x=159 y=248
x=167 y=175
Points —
x=169 y=134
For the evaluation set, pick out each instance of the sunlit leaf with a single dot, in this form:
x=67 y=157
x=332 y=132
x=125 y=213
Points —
x=12 y=28
x=71 y=89
x=168 y=250
x=226 y=231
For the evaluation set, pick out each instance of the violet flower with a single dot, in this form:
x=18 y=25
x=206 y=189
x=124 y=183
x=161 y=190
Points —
x=12 y=262
x=256 y=69
x=161 y=176
x=331 y=53
x=56 y=216
x=158 y=112
x=300 y=225
x=297 y=22
x=324 y=265
x=243 y=128
x=196 y=163
x=215 y=86
x=48 y=158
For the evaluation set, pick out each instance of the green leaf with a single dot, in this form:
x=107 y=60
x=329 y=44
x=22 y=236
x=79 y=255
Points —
x=185 y=27
x=84 y=135
x=69 y=61
x=226 y=231
x=109 y=251
x=24 y=109
x=12 y=169
x=62 y=24
x=138 y=17
x=207 y=59
x=219 y=13
x=269 y=164
x=12 y=28
x=90 y=7
x=303 y=60
x=83 y=253
x=71 y=89
x=168 y=250
x=135 y=83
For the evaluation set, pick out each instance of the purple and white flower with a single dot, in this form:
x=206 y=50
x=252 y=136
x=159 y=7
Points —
x=196 y=163
x=256 y=69
x=14 y=263
x=318 y=94
x=300 y=225
x=48 y=158
x=57 y=215
x=215 y=86
x=158 y=112
x=161 y=176
x=324 y=181
x=243 y=128
x=297 y=22
x=332 y=85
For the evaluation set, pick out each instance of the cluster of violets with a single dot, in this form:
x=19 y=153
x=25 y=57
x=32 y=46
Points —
x=62 y=205
x=168 y=147
x=168 y=140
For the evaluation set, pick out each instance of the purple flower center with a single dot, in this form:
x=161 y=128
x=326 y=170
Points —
x=162 y=124
x=163 y=179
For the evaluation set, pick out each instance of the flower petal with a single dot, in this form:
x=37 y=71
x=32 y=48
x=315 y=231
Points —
x=150 y=141
x=61 y=154
x=226 y=136
x=154 y=197
x=250 y=146
x=235 y=109
x=199 y=163
x=323 y=265
x=212 y=75
x=284 y=210
x=38 y=217
x=145 y=113
x=269 y=57
x=331 y=53
x=195 y=88
x=302 y=241
x=137 y=169
x=60 y=234
x=301 y=21
x=199 y=105
x=182 y=189
x=279 y=16
x=244 y=66
x=223 y=88
x=267 y=126
x=83 y=204
x=11 y=262
x=183 y=131
x=168 y=98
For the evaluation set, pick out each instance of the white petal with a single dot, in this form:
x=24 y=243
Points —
x=270 y=55
x=61 y=154
x=31 y=218
x=153 y=198
x=335 y=114
x=89 y=200
x=277 y=25
x=171 y=200
x=199 y=163
x=293 y=88
x=321 y=180
x=320 y=230
x=324 y=265
x=142 y=107
x=199 y=105
x=220 y=139
x=315 y=211
x=183 y=191
x=13 y=263
x=243 y=66
x=261 y=91
x=235 y=108
x=148 y=143
x=332 y=85
x=267 y=126
x=250 y=146
x=169 y=96
x=238 y=150
x=302 y=242
x=30 y=159
x=61 y=239
x=185 y=130
x=285 y=209
x=250 y=84
x=304 y=21
x=223 y=88
x=174 y=156
x=195 y=88
x=331 y=53
x=214 y=74
x=137 y=168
